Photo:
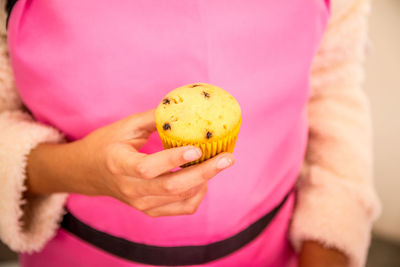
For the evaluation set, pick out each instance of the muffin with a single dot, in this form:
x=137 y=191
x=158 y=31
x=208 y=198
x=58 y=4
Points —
x=202 y=115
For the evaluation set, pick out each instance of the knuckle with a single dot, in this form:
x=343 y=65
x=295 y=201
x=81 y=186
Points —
x=152 y=214
x=170 y=188
x=141 y=189
x=143 y=171
x=189 y=193
x=173 y=161
x=127 y=192
x=190 y=209
x=204 y=175
x=139 y=205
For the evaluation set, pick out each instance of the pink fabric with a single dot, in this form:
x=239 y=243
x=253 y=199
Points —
x=261 y=252
x=80 y=65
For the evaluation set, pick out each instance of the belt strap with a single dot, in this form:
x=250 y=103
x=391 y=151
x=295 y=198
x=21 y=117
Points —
x=168 y=256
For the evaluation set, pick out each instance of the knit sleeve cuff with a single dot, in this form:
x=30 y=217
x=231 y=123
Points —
x=25 y=224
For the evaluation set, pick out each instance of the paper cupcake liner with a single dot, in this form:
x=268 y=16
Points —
x=209 y=149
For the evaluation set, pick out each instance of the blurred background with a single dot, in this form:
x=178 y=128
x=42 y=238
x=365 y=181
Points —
x=383 y=87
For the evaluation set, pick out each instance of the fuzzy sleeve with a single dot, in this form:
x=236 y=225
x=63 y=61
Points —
x=336 y=201
x=25 y=224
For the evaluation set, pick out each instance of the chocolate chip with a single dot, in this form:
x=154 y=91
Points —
x=166 y=101
x=205 y=94
x=208 y=135
x=195 y=85
x=166 y=126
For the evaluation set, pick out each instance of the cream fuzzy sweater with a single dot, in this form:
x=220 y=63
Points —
x=336 y=202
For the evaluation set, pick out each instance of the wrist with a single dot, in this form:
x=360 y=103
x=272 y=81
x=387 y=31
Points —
x=54 y=168
x=315 y=254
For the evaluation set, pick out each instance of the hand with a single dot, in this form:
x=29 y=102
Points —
x=107 y=162
x=314 y=254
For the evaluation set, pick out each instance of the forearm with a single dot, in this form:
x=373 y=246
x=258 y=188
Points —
x=54 y=168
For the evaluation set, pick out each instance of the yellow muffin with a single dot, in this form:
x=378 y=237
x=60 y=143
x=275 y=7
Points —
x=199 y=114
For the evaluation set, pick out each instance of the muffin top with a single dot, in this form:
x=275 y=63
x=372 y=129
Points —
x=197 y=112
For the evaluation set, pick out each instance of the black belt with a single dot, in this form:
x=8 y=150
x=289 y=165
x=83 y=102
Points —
x=168 y=256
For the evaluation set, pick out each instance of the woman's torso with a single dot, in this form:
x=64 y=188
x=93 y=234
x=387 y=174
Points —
x=82 y=65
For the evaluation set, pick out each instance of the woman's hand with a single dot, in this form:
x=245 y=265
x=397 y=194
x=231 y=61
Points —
x=314 y=254
x=107 y=162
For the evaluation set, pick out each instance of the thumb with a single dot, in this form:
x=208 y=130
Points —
x=143 y=122
x=146 y=120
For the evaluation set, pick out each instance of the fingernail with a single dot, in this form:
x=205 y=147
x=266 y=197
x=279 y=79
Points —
x=224 y=163
x=192 y=154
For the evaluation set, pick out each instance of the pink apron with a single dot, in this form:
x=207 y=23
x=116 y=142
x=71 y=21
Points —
x=80 y=65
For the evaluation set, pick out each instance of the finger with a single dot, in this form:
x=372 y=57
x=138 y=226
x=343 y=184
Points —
x=151 y=202
x=146 y=120
x=184 y=207
x=181 y=181
x=143 y=121
x=153 y=165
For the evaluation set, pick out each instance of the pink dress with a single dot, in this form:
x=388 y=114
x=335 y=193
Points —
x=80 y=65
